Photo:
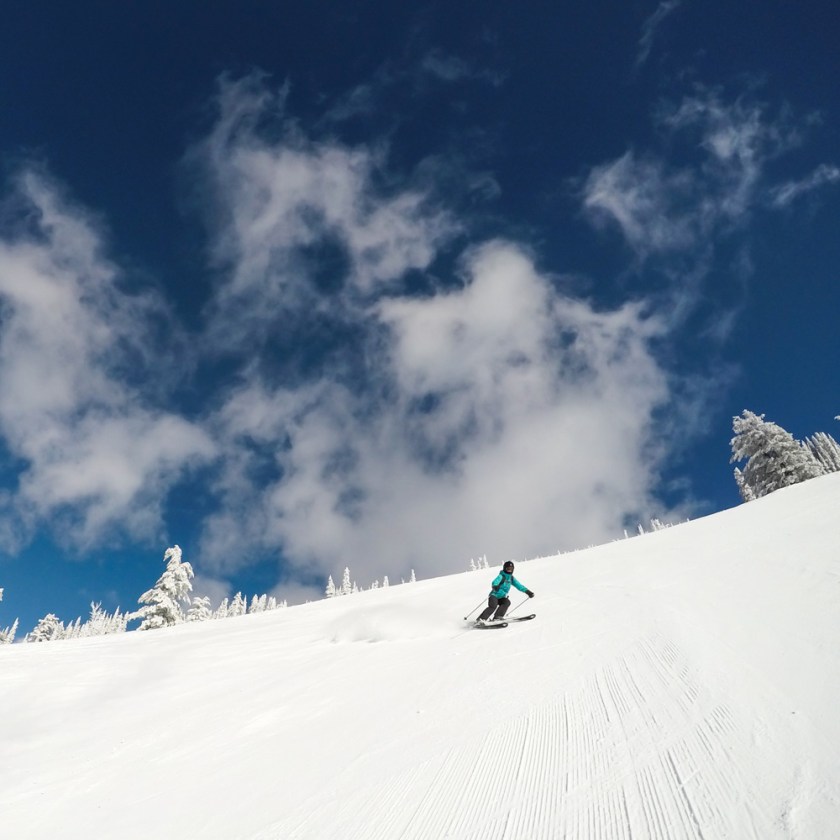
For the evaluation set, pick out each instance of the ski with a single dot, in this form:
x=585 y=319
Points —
x=493 y=625
x=520 y=617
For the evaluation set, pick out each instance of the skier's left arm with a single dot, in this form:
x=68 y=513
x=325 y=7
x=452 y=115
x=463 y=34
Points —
x=521 y=587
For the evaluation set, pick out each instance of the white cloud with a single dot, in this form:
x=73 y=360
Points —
x=280 y=205
x=650 y=204
x=785 y=194
x=509 y=419
x=71 y=341
x=494 y=413
x=740 y=138
x=488 y=413
x=452 y=68
x=663 y=209
x=651 y=26
x=406 y=81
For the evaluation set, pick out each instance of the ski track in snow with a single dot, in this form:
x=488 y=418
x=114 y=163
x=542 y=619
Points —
x=594 y=764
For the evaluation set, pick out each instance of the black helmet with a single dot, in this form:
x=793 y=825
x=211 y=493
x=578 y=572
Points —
x=508 y=567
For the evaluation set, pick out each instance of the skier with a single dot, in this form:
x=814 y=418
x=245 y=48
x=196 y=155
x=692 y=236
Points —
x=498 y=599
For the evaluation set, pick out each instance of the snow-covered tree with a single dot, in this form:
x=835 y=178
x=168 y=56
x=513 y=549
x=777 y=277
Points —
x=100 y=623
x=413 y=578
x=162 y=604
x=73 y=630
x=826 y=450
x=199 y=609
x=385 y=583
x=238 y=606
x=259 y=603
x=97 y=623
x=743 y=488
x=116 y=622
x=7 y=634
x=48 y=629
x=222 y=611
x=774 y=457
x=330 y=589
x=346 y=585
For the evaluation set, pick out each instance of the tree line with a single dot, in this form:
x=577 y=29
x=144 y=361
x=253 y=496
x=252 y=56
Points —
x=168 y=603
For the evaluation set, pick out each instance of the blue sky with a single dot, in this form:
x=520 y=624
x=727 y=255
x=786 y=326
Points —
x=305 y=285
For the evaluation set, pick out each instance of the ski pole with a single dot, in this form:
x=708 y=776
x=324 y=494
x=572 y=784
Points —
x=518 y=606
x=467 y=616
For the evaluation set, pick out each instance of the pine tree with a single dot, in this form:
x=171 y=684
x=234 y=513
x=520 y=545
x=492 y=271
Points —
x=97 y=622
x=238 y=606
x=413 y=578
x=346 y=586
x=163 y=602
x=826 y=450
x=259 y=603
x=222 y=611
x=745 y=490
x=774 y=457
x=199 y=609
x=385 y=583
x=100 y=623
x=73 y=630
x=7 y=635
x=121 y=620
x=48 y=629
x=330 y=590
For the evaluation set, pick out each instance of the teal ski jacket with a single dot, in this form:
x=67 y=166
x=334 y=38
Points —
x=502 y=583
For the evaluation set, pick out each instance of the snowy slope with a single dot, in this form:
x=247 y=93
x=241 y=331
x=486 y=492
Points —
x=676 y=685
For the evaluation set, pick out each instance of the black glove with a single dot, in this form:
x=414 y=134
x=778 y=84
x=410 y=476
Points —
x=529 y=593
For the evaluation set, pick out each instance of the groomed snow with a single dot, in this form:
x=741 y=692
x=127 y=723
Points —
x=681 y=684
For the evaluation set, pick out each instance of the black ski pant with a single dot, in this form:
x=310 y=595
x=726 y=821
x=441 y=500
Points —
x=500 y=605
